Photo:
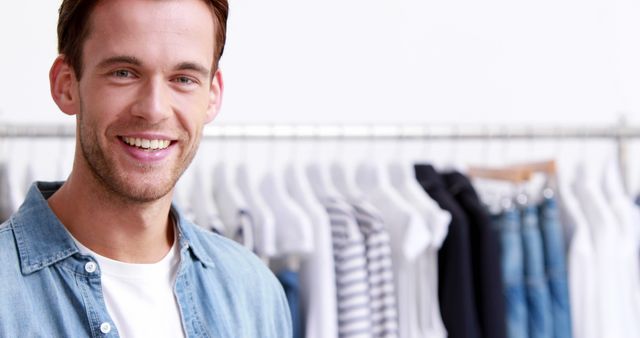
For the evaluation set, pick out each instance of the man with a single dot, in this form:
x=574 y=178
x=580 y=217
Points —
x=104 y=254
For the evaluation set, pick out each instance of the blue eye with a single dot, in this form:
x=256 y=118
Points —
x=122 y=73
x=184 y=80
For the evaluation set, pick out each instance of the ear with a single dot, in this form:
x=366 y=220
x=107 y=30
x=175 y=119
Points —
x=63 y=85
x=215 y=96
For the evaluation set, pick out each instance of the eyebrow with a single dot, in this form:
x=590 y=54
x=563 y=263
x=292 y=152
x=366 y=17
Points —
x=202 y=70
x=119 y=59
x=132 y=60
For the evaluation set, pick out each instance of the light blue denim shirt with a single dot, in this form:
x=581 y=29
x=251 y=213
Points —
x=48 y=289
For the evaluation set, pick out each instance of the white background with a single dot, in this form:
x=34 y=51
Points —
x=558 y=62
x=333 y=61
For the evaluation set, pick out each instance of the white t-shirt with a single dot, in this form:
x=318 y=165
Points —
x=317 y=273
x=139 y=297
x=608 y=261
x=582 y=274
x=410 y=237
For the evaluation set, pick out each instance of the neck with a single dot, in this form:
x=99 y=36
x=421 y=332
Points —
x=119 y=229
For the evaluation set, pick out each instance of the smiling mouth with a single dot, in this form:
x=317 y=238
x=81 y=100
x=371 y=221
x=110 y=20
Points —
x=146 y=144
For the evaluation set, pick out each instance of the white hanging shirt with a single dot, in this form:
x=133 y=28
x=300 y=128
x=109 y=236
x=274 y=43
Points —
x=317 y=273
x=581 y=272
x=606 y=236
x=430 y=316
x=409 y=238
x=426 y=266
x=628 y=218
x=139 y=297
x=6 y=197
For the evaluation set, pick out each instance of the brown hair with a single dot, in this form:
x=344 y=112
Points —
x=73 y=29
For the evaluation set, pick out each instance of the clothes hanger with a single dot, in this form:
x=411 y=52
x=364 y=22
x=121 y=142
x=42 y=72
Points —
x=523 y=176
x=344 y=181
x=248 y=184
x=513 y=175
x=318 y=268
x=320 y=179
x=7 y=206
x=612 y=182
x=201 y=203
x=294 y=234
x=452 y=162
x=404 y=223
x=29 y=174
x=343 y=176
x=371 y=174
x=299 y=188
x=628 y=218
x=506 y=185
x=408 y=230
x=62 y=166
x=180 y=199
x=622 y=206
x=402 y=177
x=548 y=167
x=229 y=201
x=571 y=214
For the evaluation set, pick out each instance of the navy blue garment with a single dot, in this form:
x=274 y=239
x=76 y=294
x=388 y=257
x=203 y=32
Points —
x=485 y=257
x=455 y=275
x=507 y=225
x=554 y=258
x=538 y=297
x=291 y=284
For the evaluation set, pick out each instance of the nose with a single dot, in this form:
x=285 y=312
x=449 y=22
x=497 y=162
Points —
x=153 y=102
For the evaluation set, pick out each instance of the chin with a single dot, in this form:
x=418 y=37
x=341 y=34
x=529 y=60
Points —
x=145 y=194
x=138 y=190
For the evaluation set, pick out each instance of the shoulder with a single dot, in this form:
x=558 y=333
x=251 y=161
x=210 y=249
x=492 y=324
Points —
x=240 y=285
x=14 y=290
x=8 y=250
x=229 y=257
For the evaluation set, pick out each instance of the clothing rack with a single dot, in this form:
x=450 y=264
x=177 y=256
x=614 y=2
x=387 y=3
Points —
x=619 y=132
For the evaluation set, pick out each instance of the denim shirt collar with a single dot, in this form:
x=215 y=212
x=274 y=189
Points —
x=42 y=240
x=187 y=239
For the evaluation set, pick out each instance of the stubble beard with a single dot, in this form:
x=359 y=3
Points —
x=119 y=184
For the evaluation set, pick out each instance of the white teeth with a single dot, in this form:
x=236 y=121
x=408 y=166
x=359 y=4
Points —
x=146 y=144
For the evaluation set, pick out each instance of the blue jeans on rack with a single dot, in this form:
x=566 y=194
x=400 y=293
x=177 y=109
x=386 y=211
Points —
x=291 y=284
x=553 y=240
x=512 y=265
x=538 y=298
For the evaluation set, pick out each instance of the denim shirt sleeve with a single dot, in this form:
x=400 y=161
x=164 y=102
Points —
x=46 y=289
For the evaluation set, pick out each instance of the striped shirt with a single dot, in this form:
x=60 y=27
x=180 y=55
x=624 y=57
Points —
x=384 y=316
x=354 y=314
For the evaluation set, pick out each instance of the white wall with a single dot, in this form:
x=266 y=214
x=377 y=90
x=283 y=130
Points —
x=384 y=61
x=560 y=61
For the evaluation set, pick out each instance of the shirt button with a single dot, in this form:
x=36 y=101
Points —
x=90 y=267
x=105 y=328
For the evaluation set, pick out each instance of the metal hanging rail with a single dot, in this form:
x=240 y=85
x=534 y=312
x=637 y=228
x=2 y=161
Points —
x=361 y=132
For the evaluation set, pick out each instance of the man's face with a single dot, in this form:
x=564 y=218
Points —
x=145 y=94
